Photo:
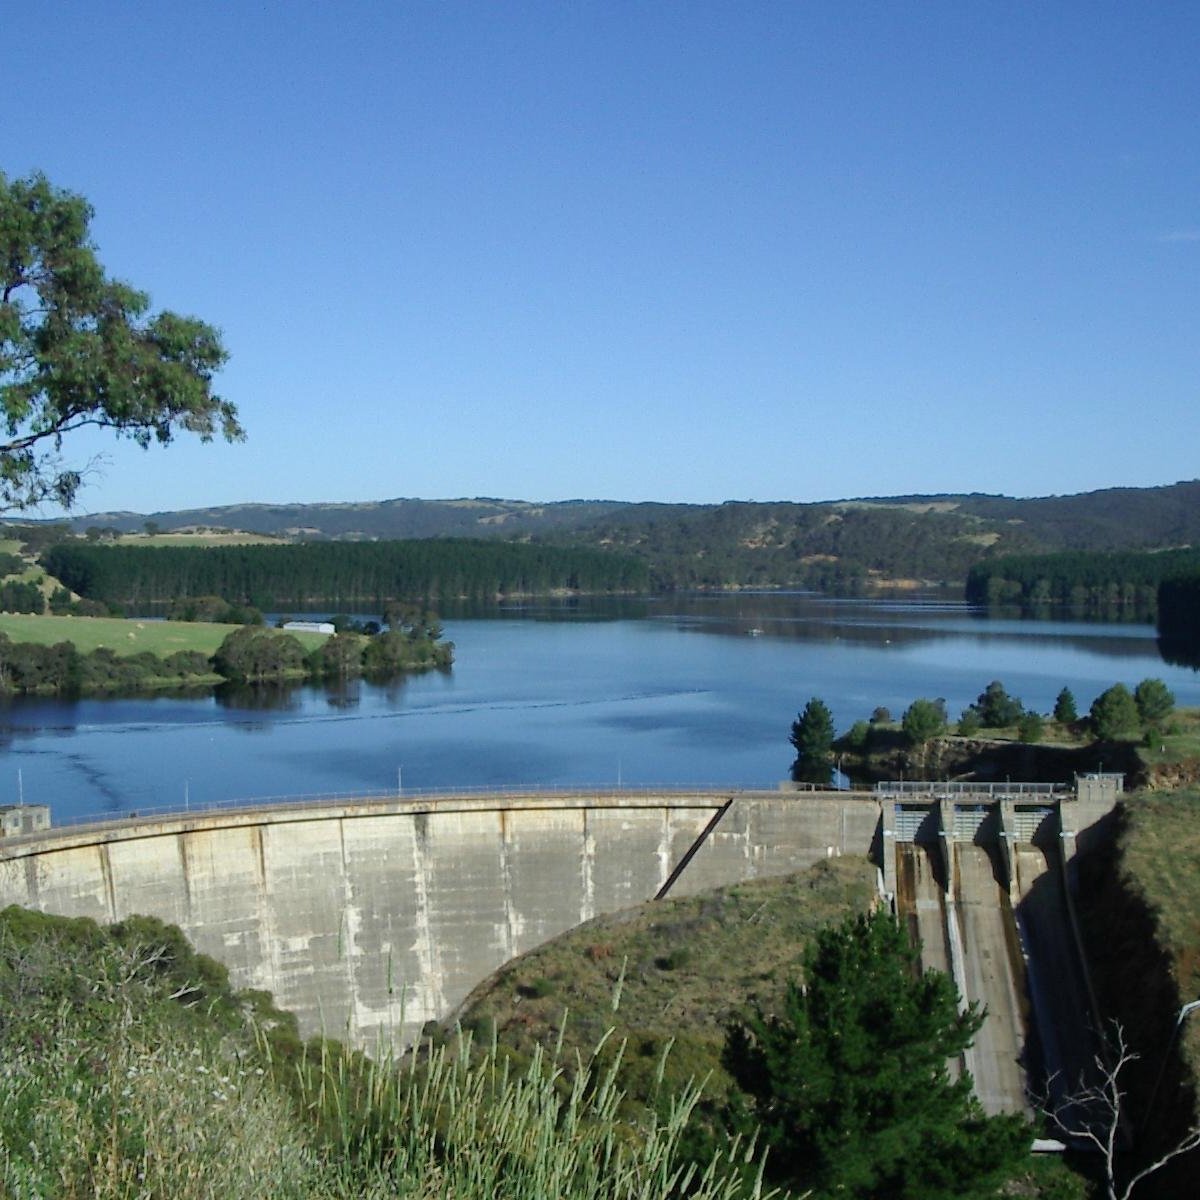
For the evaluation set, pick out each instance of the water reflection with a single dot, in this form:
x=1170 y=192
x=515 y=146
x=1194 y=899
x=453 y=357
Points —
x=258 y=697
x=1180 y=651
x=909 y=621
x=571 y=693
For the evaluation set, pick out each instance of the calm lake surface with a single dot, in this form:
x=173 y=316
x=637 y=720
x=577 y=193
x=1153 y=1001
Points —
x=664 y=690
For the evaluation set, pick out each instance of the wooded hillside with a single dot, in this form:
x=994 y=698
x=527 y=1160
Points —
x=837 y=546
x=333 y=574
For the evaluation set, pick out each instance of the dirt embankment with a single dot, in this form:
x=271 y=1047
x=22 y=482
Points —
x=1141 y=960
x=1170 y=777
x=989 y=760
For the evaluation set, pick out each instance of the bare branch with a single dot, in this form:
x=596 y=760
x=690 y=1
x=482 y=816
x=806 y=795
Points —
x=1094 y=1114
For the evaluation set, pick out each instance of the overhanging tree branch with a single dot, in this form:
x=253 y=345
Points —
x=78 y=349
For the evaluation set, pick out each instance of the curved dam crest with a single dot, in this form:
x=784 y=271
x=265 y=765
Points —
x=367 y=919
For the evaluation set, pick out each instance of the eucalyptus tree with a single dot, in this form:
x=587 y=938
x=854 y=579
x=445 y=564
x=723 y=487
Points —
x=79 y=349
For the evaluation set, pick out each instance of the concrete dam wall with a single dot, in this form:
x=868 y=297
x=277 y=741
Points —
x=368 y=919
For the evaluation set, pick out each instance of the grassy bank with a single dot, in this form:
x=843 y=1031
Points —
x=129 y=1070
x=126 y=636
x=1160 y=849
x=667 y=971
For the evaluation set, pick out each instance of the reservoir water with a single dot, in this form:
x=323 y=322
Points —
x=680 y=689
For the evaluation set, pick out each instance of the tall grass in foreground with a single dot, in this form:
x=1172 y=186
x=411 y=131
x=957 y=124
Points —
x=123 y=1119
x=129 y=1071
x=456 y=1123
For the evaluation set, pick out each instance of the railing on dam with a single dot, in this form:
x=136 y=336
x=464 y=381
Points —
x=912 y=789
x=85 y=822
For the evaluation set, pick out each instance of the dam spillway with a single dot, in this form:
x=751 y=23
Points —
x=982 y=880
x=369 y=918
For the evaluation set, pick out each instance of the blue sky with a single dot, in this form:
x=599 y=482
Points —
x=683 y=252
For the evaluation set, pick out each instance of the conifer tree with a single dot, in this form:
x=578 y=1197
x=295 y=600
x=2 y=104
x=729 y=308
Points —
x=812 y=737
x=849 y=1082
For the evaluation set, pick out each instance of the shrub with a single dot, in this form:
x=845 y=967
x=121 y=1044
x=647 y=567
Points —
x=969 y=723
x=1030 y=727
x=1114 y=714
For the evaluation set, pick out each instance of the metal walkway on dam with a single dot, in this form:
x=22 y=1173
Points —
x=982 y=882
x=367 y=917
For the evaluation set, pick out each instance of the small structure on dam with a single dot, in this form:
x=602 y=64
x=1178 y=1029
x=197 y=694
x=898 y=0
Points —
x=368 y=918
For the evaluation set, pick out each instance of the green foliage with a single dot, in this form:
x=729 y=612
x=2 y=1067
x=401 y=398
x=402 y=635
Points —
x=833 y=548
x=923 y=721
x=1179 y=618
x=62 y=605
x=466 y=1122
x=840 y=548
x=849 y=1083
x=29 y=667
x=392 y=651
x=812 y=739
x=686 y=966
x=857 y=736
x=969 y=724
x=1087 y=580
x=130 y=1071
x=1030 y=727
x=186 y=662
x=78 y=349
x=249 y=654
x=997 y=709
x=20 y=596
x=1155 y=701
x=215 y=610
x=341 y=656
x=1114 y=714
x=1065 y=710
x=336 y=574
x=252 y=654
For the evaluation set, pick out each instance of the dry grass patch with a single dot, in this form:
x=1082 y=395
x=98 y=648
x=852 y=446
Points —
x=670 y=971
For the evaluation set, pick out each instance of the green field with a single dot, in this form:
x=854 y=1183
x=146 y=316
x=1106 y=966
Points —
x=206 y=538
x=1180 y=742
x=126 y=636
